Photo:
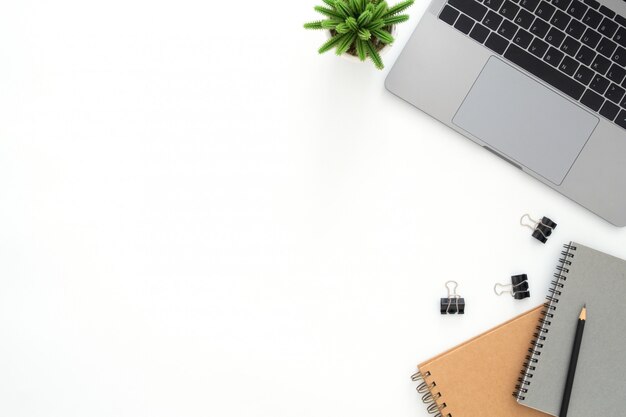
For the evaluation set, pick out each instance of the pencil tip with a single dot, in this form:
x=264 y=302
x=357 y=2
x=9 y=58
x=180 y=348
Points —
x=583 y=313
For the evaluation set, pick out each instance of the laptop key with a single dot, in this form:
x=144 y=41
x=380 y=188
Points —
x=585 y=55
x=545 y=11
x=449 y=15
x=493 y=4
x=583 y=75
x=545 y=72
x=609 y=110
x=472 y=8
x=496 y=43
x=592 y=100
x=553 y=56
x=616 y=74
x=555 y=37
x=561 y=4
x=601 y=65
x=522 y=38
x=621 y=119
x=568 y=66
x=530 y=5
x=619 y=56
x=607 y=12
x=560 y=20
x=492 y=20
x=591 y=38
x=577 y=9
x=539 y=28
x=606 y=47
x=507 y=29
x=464 y=24
x=570 y=46
x=620 y=36
x=592 y=3
x=575 y=29
x=599 y=84
x=524 y=19
x=621 y=20
x=538 y=47
x=607 y=28
x=614 y=93
x=509 y=10
x=479 y=33
x=592 y=18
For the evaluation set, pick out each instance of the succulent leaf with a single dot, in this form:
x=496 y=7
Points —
x=331 y=43
x=328 y=12
x=343 y=9
x=394 y=20
x=383 y=35
x=380 y=10
x=364 y=34
x=345 y=44
x=342 y=28
x=377 y=24
x=331 y=23
x=353 y=4
x=398 y=8
x=352 y=24
x=374 y=55
x=364 y=18
x=314 y=25
x=361 y=51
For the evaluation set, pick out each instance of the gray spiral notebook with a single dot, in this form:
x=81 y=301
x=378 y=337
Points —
x=584 y=276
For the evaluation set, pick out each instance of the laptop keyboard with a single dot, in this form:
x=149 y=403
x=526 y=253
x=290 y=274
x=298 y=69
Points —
x=577 y=47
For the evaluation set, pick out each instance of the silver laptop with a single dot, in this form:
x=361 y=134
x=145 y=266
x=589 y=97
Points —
x=540 y=83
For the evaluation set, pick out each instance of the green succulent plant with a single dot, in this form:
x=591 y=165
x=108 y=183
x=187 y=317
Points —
x=359 y=27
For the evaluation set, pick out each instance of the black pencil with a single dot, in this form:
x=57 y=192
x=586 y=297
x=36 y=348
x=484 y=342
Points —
x=573 y=362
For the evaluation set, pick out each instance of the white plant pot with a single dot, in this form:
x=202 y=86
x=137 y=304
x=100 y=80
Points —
x=355 y=58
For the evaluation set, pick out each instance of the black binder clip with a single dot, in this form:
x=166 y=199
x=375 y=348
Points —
x=454 y=304
x=518 y=288
x=541 y=229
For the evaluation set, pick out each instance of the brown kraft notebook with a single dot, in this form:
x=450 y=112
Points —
x=475 y=379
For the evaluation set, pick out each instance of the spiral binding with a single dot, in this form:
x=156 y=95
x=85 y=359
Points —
x=428 y=396
x=543 y=329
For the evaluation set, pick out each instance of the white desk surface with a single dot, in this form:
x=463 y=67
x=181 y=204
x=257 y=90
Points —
x=200 y=216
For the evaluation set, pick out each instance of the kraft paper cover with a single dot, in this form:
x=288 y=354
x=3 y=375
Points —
x=478 y=377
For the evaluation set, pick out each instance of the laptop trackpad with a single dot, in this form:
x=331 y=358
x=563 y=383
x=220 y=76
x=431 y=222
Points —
x=525 y=121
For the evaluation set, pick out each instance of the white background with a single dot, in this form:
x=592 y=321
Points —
x=200 y=216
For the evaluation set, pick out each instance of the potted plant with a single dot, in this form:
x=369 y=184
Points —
x=361 y=28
